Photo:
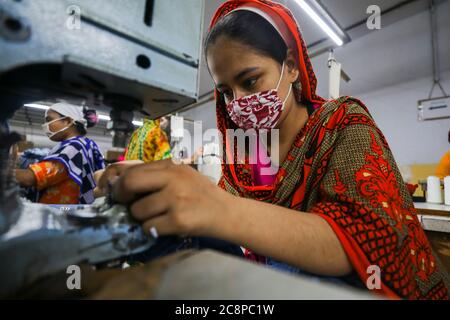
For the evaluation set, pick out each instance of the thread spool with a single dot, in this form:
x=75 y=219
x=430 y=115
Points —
x=447 y=190
x=434 y=190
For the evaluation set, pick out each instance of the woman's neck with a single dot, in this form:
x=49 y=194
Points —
x=295 y=120
x=71 y=134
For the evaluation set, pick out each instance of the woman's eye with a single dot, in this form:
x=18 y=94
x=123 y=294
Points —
x=249 y=83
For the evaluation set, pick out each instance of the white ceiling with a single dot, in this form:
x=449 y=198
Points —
x=396 y=54
x=345 y=12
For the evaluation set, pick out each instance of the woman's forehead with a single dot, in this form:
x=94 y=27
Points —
x=227 y=58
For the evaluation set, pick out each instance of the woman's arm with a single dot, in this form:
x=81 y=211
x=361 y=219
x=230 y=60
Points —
x=25 y=177
x=298 y=238
x=42 y=175
x=175 y=199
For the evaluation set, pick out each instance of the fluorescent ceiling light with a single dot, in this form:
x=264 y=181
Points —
x=317 y=19
x=103 y=117
x=37 y=106
x=108 y=118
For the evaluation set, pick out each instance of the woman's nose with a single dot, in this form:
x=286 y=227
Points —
x=237 y=94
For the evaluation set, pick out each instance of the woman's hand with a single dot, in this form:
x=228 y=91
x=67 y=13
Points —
x=106 y=177
x=177 y=200
x=174 y=199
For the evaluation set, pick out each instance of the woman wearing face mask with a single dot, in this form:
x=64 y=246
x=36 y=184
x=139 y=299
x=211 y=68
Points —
x=65 y=175
x=336 y=207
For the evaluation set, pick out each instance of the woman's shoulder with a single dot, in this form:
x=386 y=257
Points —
x=346 y=110
x=349 y=103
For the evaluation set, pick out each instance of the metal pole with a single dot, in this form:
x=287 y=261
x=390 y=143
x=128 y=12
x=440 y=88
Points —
x=434 y=48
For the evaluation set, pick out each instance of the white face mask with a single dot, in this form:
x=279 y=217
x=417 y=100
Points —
x=48 y=132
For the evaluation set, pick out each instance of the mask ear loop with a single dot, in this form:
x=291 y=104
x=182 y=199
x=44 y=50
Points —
x=279 y=81
x=54 y=120
x=47 y=124
x=289 y=93
x=281 y=76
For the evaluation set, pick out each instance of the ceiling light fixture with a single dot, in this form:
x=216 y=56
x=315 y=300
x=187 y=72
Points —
x=320 y=22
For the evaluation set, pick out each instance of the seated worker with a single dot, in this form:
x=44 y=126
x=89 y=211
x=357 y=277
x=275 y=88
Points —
x=443 y=168
x=149 y=143
x=336 y=207
x=66 y=174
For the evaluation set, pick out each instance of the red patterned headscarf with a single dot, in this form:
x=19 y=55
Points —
x=304 y=88
x=288 y=27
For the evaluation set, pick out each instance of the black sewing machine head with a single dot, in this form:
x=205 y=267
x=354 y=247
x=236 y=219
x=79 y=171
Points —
x=128 y=56
x=140 y=56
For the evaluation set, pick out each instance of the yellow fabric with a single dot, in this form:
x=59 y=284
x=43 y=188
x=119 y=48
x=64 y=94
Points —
x=443 y=168
x=148 y=143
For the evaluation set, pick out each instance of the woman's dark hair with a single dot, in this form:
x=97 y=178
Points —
x=90 y=115
x=252 y=30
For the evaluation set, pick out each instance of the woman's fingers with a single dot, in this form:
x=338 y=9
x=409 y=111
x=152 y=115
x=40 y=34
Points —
x=106 y=177
x=151 y=205
x=160 y=164
x=113 y=171
x=156 y=198
x=98 y=174
x=142 y=179
x=160 y=226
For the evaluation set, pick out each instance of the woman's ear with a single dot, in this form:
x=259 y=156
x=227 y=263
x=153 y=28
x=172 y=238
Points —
x=292 y=66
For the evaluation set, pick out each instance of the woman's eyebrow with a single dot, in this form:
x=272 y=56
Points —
x=244 y=72
x=237 y=77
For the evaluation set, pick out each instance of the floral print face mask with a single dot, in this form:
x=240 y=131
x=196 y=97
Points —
x=260 y=110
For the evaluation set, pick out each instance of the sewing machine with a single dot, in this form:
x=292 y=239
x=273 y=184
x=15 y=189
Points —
x=129 y=56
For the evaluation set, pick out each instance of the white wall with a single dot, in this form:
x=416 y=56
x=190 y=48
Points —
x=205 y=113
x=394 y=109
x=395 y=64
